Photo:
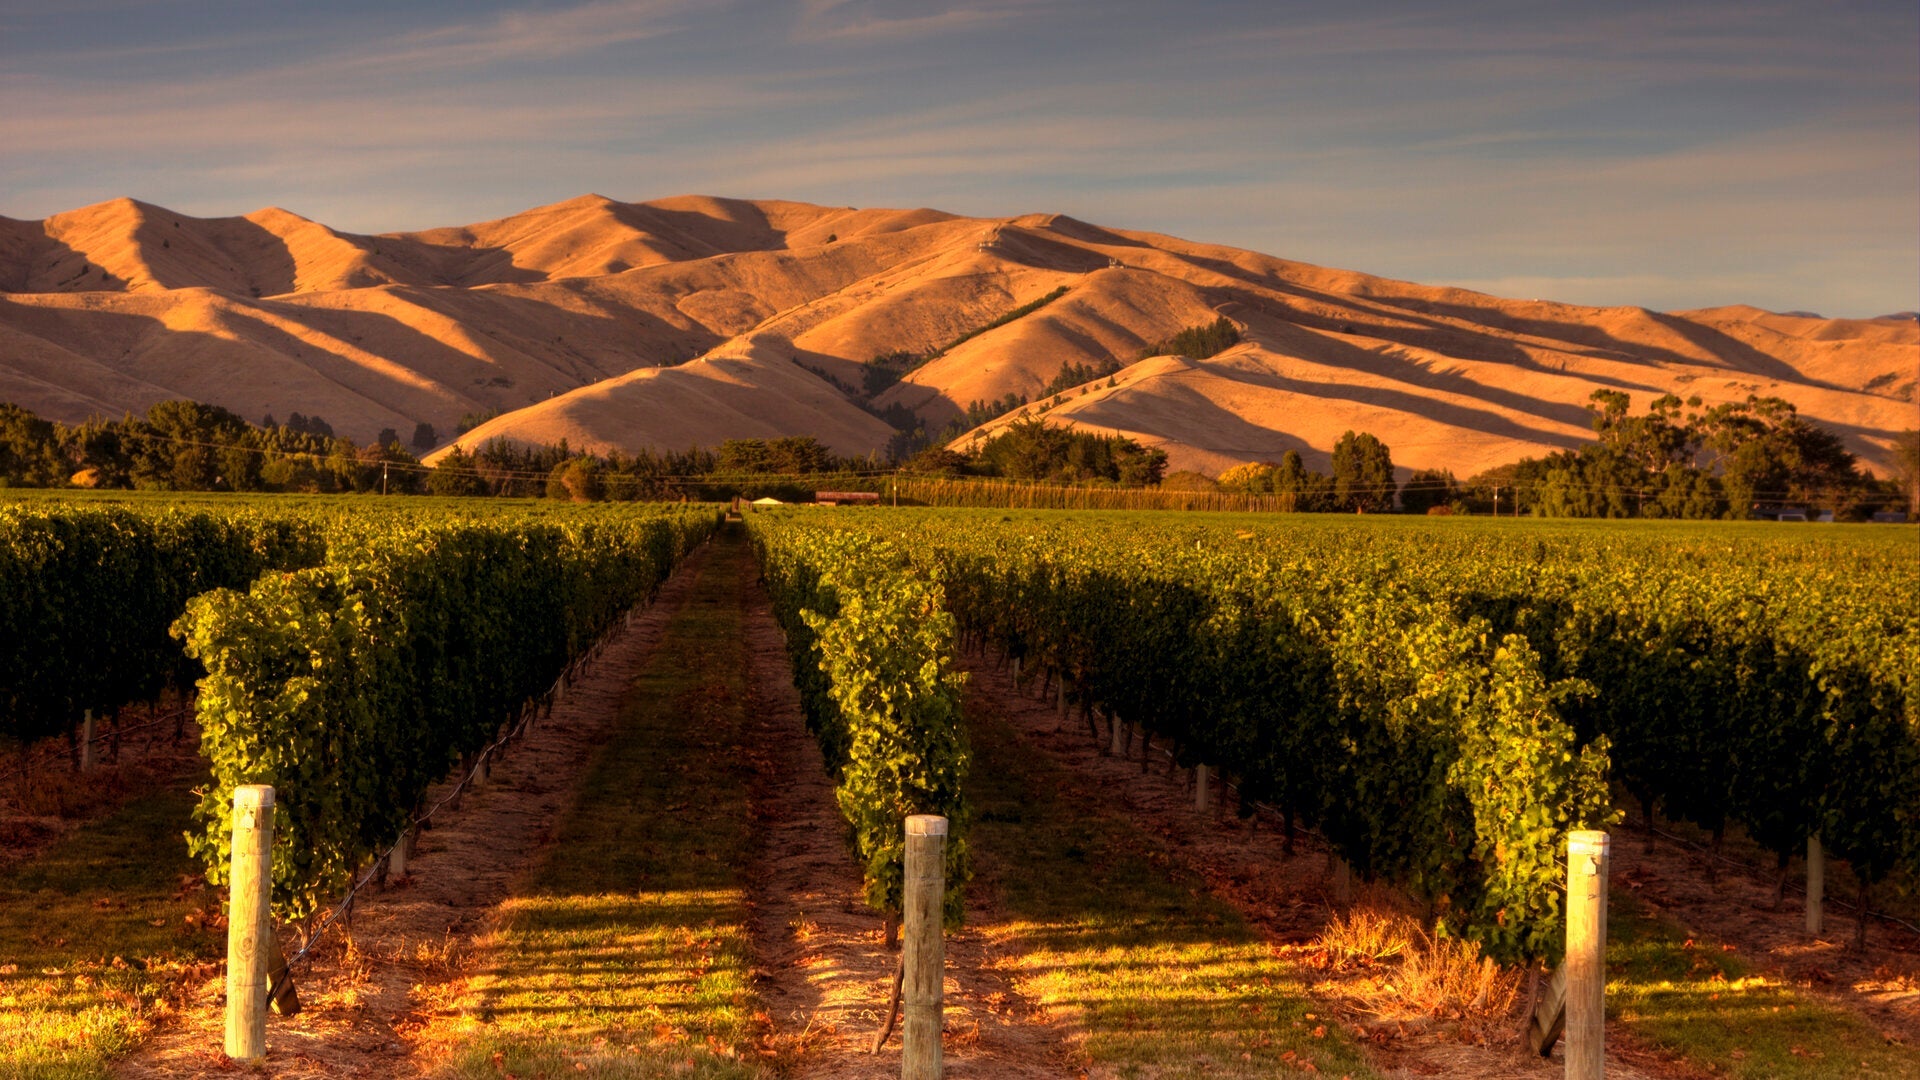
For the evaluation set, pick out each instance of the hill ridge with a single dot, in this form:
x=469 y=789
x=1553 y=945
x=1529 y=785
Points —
x=561 y=317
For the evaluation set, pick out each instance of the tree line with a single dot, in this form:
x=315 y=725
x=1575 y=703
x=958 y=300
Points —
x=1677 y=460
x=189 y=446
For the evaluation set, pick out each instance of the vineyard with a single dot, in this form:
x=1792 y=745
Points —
x=1087 y=697
x=1442 y=706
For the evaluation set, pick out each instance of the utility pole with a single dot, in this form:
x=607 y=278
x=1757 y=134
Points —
x=383 y=478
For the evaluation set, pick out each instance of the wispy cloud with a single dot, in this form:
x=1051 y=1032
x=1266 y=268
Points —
x=1638 y=145
x=868 y=20
x=533 y=35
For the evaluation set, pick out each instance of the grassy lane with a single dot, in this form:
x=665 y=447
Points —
x=1165 y=980
x=625 y=952
x=1685 y=996
x=93 y=932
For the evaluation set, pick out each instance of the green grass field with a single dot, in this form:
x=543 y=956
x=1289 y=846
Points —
x=625 y=952
x=1165 y=979
x=92 y=932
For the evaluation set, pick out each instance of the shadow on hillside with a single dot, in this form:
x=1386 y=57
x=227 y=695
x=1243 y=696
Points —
x=697 y=235
x=1291 y=340
x=1226 y=432
x=1197 y=412
x=1027 y=247
x=1717 y=347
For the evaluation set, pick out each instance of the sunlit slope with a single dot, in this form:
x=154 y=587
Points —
x=562 y=317
x=751 y=392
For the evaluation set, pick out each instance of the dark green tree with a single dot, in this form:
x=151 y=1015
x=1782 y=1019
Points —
x=456 y=474
x=1903 y=462
x=1362 y=474
x=1032 y=449
x=29 y=450
x=578 y=480
x=1427 y=489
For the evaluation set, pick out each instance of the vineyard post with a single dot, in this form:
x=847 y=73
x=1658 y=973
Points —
x=1586 y=962
x=1116 y=746
x=1200 y=787
x=397 y=862
x=1816 y=884
x=249 y=929
x=923 y=950
x=86 y=743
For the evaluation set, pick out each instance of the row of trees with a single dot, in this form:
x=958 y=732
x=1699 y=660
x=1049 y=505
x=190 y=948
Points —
x=1032 y=449
x=1677 y=460
x=1362 y=480
x=1680 y=460
x=791 y=468
x=187 y=446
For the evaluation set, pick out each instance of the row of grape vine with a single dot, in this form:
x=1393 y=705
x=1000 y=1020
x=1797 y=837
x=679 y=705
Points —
x=1444 y=703
x=872 y=649
x=87 y=595
x=353 y=686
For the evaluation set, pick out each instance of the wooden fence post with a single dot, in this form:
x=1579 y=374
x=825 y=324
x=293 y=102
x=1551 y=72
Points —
x=86 y=743
x=923 y=950
x=1586 y=963
x=397 y=861
x=249 y=922
x=1816 y=884
x=1200 y=787
x=1117 y=745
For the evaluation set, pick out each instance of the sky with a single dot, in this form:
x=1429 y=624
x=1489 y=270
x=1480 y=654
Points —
x=1667 y=155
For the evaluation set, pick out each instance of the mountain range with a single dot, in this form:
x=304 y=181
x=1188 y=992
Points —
x=691 y=320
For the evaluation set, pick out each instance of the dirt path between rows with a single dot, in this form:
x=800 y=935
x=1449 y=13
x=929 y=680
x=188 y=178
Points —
x=368 y=993
x=1288 y=898
x=824 y=973
x=1881 y=983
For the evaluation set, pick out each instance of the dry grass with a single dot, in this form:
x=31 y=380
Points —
x=1102 y=931
x=101 y=935
x=1392 y=969
x=625 y=952
x=1680 y=992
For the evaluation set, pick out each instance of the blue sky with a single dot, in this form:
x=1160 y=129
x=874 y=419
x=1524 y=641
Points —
x=1670 y=155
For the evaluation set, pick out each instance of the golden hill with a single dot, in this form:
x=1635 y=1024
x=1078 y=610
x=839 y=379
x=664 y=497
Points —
x=691 y=320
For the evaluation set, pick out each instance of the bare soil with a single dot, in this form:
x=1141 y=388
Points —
x=1289 y=899
x=44 y=798
x=1735 y=906
x=372 y=989
x=825 y=974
